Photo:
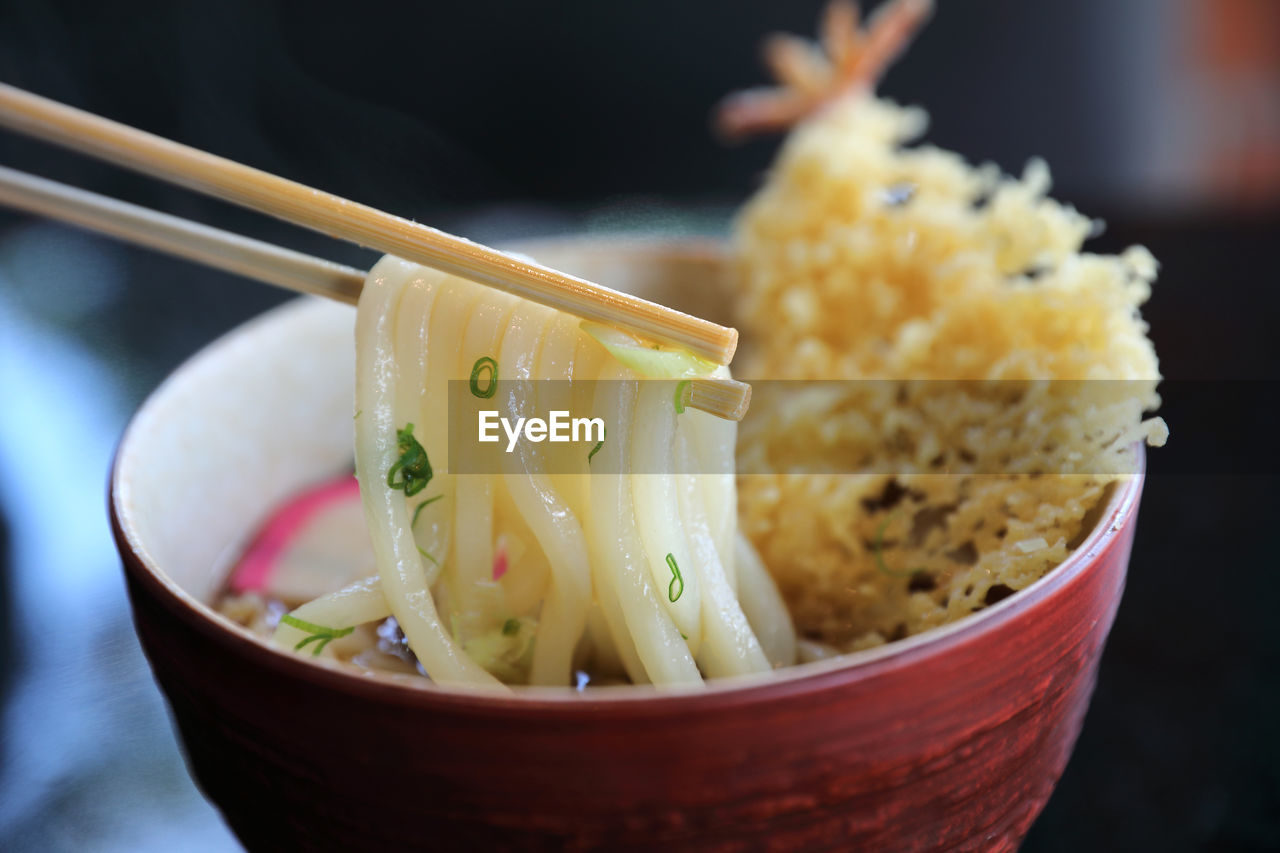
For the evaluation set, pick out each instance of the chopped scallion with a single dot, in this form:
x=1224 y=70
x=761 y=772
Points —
x=604 y=433
x=680 y=386
x=417 y=512
x=676 y=589
x=413 y=466
x=484 y=364
x=318 y=634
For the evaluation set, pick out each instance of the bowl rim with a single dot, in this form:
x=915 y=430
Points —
x=414 y=690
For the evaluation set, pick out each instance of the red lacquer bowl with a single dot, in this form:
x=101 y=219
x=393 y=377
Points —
x=949 y=740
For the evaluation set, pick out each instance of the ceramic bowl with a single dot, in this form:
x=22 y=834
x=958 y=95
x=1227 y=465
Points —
x=949 y=740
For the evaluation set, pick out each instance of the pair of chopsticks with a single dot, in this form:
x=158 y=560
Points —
x=219 y=177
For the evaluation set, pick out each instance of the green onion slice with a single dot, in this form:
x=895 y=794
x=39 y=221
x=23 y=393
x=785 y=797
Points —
x=604 y=433
x=482 y=365
x=413 y=466
x=676 y=589
x=650 y=360
x=417 y=512
x=318 y=634
x=680 y=386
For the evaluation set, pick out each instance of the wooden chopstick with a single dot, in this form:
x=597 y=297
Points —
x=329 y=214
x=240 y=255
x=212 y=247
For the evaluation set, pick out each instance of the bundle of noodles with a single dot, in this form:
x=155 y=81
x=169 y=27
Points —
x=528 y=575
x=863 y=259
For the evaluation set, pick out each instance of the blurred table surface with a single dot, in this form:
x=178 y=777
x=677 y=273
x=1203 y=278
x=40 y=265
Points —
x=1180 y=750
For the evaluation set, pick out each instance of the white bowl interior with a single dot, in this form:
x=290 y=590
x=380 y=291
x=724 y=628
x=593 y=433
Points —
x=249 y=422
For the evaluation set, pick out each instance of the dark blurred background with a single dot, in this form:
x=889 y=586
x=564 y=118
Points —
x=513 y=119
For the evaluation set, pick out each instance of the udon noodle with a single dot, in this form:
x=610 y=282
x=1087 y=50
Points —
x=598 y=553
